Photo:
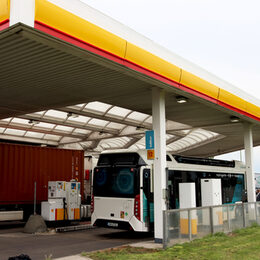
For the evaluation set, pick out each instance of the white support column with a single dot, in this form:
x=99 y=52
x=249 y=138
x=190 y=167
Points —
x=22 y=11
x=158 y=107
x=250 y=175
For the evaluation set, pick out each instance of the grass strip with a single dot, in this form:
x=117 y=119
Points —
x=241 y=244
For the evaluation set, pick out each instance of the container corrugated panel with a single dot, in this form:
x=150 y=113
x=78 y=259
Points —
x=22 y=165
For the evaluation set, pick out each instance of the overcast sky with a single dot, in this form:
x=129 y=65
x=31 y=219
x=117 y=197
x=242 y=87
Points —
x=221 y=36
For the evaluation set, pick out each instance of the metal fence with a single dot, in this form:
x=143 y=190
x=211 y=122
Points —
x=183 y=225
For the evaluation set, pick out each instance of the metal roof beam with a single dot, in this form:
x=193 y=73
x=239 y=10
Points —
x=94 y=144
x=99 y=138
x=132 y=142
x=37 y=130
x=207 y=126
x=28 y=139
x=113 y=119
x=173 y=139
x=105 y=117
x=56 y=121
x=210 y=140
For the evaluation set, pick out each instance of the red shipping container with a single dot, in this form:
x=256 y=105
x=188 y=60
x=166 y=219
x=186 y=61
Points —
x=22 y=165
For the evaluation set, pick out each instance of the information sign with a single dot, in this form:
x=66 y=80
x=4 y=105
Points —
x=149 y=140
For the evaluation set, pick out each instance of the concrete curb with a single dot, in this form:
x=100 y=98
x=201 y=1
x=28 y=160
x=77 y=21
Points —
x=145 y=244
x=73 y=257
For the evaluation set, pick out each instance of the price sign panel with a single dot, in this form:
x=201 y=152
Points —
x=150 y=154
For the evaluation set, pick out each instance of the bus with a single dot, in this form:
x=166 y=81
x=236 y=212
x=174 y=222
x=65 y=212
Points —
x=123 y=186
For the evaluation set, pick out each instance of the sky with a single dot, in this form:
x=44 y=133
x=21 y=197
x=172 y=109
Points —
x=221 y=36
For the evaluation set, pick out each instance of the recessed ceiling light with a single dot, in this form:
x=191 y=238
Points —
x=234 y=119
x=33 y=122
x=73 y=115
x=181 y=99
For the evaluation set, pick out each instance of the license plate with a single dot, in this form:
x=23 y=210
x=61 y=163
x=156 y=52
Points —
x=111 y=224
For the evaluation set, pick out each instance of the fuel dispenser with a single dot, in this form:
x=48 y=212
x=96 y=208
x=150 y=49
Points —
x=64 y=201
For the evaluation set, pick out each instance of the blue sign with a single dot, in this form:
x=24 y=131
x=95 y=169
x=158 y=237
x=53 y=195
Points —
x=149 y=140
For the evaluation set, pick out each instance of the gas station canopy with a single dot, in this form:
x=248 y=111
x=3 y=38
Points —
x=73 y=77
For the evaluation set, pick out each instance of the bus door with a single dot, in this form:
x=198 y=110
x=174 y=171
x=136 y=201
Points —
x=174 y=178
x=170 y=189
x=148 y=205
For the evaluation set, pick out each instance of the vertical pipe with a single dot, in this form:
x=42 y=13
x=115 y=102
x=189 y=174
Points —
x=256 y=213
x=211 y=220
x=189 y=221
x=34 y=203
x=244 y=215
x=228 y=218
x=165 y=229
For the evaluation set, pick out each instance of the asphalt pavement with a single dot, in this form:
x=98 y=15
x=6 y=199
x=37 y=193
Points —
x=14 y=242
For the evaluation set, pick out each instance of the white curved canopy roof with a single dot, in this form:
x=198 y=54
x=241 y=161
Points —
x=97 y=126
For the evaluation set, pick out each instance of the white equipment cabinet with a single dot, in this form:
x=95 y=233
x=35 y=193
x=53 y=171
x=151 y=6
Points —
x=187 y=196
x=52 y=209
x=56 y=189
x=73 y=200
x=211 y=195
x=64 y=201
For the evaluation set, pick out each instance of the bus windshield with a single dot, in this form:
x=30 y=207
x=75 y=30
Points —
x=122 y=182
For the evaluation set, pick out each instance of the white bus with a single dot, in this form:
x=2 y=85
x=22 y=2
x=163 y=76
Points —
x=123 y=186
